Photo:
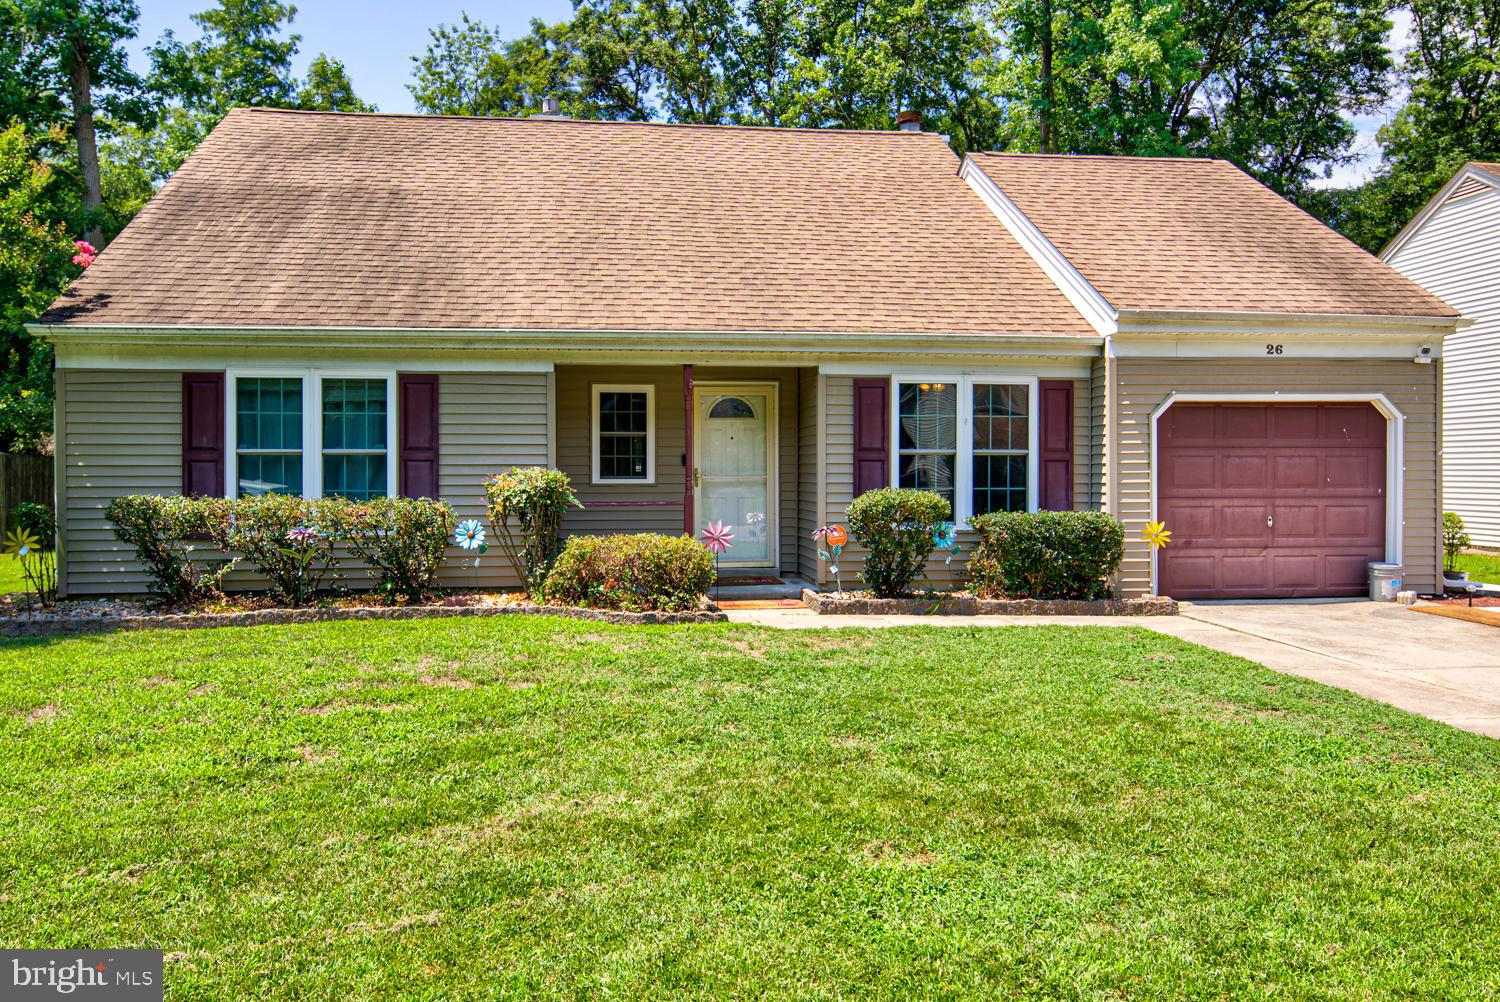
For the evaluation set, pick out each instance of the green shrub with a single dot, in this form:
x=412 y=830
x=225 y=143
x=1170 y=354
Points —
x=1455 y=540
x=534 y=499
x=633 y=573
x=290 y=540
x=36 y=522
x=1046 y=554
x=158 y=528
x=405 y=542
x=897 y=526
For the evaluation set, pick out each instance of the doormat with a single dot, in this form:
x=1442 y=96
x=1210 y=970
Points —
x=736 y=582
x=1488 y=617
x=760 y=603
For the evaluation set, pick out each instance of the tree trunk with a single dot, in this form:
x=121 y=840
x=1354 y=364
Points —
x=88 y=148
x=1046 y=117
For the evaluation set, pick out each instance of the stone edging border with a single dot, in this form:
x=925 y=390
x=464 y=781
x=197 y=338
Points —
x=279 y=617
x=832 y=604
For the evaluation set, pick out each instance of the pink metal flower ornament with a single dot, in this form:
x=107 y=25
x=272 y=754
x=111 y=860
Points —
x=717 y=538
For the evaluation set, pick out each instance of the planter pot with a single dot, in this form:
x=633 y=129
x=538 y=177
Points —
x=1456 y=578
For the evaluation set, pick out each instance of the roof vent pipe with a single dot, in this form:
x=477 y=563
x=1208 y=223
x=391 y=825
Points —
x=909 y=121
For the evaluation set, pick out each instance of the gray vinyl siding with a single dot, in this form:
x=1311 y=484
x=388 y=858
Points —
x=658 y=507
x=1143 y=384
x=1098 y=435
x=809 y=461
x=1083 y=446
x=119 y=432
x=1456 y=255
x=487 y=423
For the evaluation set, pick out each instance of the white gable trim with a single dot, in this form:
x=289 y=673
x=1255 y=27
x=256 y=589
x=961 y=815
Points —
x=1086 y=299
x=1468 y=173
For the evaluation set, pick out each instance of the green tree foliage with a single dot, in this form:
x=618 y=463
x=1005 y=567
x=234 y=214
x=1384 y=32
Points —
x=241 y=60
x=327 y=88
x=35 y=264
x=1452 y=115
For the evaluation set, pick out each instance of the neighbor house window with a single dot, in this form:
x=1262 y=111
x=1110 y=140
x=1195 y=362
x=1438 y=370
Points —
x=312 y=434
x=268 y=436
x=355 y=446
x=624 y=434
x=968 y=439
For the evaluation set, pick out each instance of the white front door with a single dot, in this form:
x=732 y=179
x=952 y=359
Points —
x=734 y=467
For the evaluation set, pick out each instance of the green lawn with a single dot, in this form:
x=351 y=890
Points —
x=10 y=575
x=1481 y=566
x=472 y=809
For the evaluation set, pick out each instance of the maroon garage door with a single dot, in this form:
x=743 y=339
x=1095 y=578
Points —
x=1270 y=500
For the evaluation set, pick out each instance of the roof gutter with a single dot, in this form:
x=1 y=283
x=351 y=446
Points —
x=1256 y=323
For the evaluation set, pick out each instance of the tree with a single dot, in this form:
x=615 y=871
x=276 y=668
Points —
x=327 y=88
x=1261 y=82
x=1452 y=115
x=242 y=60
x=35 y=252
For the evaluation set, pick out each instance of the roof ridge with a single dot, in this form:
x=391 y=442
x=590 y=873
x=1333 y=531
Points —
x=1113 y=157
x=566 y=120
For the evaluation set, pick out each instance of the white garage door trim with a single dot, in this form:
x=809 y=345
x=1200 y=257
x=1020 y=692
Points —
x=1395 y=435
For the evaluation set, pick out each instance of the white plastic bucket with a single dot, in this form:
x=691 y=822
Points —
x=1385 y=582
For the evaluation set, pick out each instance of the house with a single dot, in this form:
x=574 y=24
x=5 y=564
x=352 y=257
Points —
x=754 y=325
x=1452 y=247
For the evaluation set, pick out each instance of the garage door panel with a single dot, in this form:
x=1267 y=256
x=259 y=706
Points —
x=1317 y=471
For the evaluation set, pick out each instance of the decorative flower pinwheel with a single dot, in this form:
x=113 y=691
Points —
x=717 y=537
x=945 y=537
x=1157 y=534
x=302 y=535
x=469 y=535
x=831 y=540
x=21 y=543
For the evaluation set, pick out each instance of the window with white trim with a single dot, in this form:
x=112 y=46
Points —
x=971 y=439
x=624 y=430
x=318 y=434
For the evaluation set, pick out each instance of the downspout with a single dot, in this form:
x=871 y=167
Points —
x=688 y=467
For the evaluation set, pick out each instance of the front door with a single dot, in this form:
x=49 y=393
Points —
x=734 y=467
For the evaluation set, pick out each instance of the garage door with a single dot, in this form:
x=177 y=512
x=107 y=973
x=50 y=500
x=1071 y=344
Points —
x=1270 y=500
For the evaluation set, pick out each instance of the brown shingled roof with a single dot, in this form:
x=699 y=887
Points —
x=1198 y=235
x=298 y=218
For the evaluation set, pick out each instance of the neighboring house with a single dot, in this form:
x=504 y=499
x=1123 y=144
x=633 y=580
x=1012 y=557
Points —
x=754 y=325
x=1452 y=247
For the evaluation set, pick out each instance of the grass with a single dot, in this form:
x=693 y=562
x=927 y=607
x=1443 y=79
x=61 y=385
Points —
x=476 y=809
x=11 y=579
x=1481 y=566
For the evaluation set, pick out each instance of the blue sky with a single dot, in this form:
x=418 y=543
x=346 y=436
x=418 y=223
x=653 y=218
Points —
x=377 y=38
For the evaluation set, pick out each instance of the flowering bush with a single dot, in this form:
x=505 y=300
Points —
x=633 y=573
x=288 y=539
x=898 y=526
x=534 y=500
x=405 y=542
x=1046 y=554
x=158 y=529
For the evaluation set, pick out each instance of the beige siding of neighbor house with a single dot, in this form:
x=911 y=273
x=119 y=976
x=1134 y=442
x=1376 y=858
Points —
x=1141 y=385
x=487 y=423
x=1455 y=254
x=839 y=479
x=658 y=507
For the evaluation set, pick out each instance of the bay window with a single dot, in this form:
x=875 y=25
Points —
x=311 y=433
x=968 y=438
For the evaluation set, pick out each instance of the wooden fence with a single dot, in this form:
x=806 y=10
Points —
x=23 y=478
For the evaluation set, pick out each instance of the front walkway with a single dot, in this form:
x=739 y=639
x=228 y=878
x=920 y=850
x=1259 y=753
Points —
x=1440 y=668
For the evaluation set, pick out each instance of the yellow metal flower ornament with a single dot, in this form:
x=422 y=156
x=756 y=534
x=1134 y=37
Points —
x=1157 y=534
x=21 y=543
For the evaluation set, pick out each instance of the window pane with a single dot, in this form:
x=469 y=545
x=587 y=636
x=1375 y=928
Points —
x=929 y=416
x=731 y=407
x=273 y=474
x=1001 y=417
x=999 y=483
x=268 y=414
x=622 y=412
x=928 y=472
x=358 y=478
x=354 y=413
x=622 y=457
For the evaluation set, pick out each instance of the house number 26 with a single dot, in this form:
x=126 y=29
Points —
x=1273 y=349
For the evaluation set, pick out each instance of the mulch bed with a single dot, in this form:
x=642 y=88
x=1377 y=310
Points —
x=1486 y=615
x=965 y=604
x=17 y=619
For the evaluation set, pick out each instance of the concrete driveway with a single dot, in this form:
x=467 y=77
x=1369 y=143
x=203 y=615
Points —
x=1445 y=669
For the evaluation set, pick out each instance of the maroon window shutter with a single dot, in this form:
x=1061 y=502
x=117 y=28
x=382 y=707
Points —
x=872 y=434
x=418 y=422
x=203 y=434
x=1056 y=438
